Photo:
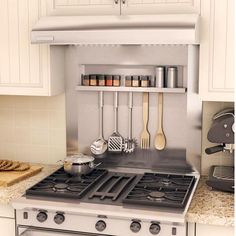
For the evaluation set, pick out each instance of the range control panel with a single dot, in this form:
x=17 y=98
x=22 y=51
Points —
x=97 y=224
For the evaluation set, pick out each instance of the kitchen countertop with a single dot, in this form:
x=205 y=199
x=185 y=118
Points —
x=17 y=190
x=211 y=207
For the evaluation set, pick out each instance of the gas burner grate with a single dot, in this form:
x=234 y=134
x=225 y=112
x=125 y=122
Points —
x=165 y=190
x=112 y=187
x=62 y=185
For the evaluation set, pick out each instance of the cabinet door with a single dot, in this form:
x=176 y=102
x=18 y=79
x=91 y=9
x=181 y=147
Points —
x=159 y=6
x=7 y=226
x=217 y=51
x=83 y=7
x=204 y=230
x=24 y=68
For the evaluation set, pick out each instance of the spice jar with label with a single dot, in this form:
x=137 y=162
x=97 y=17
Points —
x=85 y=80
x=101 y=80
x=109 y=80
x=135 y=81
x=128 y=81
x=144 y=81
x=93 y=80
x=116 y=80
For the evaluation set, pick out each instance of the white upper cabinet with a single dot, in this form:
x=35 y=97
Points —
x=25 y=68
x=121 y=7
x=217 y=50
x=159 y=6
x=83 y=7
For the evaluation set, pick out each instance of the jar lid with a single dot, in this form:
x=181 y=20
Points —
x=116 y=77
x=160 y=68
x=101 y=77
x=136 y=77
x=108 y=76
x=144 y=77
x=172 y=68
x=128 y=77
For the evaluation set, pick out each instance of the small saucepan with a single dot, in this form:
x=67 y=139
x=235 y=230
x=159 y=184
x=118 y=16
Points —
x=79 y=164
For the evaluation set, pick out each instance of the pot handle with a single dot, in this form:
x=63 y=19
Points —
x=92 y=165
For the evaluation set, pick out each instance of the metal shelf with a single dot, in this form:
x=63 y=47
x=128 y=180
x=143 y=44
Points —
x=130 y=89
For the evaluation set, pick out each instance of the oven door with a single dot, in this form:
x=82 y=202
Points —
x=36 y=231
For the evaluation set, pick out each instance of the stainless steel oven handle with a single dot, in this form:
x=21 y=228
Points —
x=36 y=231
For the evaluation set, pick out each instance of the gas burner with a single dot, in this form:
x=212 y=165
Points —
x=156 y=196
x=60 y=187
x=165 y=181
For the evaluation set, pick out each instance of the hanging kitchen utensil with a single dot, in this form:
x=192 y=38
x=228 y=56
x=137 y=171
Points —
x=115 y=141
x=145 y=135
x=99 y=146
x=130 y=143
x=160 y=140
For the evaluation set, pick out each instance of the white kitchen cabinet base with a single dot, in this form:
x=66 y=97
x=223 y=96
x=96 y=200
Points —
x=7 y=227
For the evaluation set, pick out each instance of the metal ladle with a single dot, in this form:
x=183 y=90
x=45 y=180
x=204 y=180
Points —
x=99 y=146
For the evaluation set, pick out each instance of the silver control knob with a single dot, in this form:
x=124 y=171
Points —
x=100 y=225
x=155 y=228
x=135 y=227
x=42 y=216
x=59 y=218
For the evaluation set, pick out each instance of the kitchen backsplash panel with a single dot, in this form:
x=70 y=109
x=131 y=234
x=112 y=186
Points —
x=220 y=158
x=32 y=128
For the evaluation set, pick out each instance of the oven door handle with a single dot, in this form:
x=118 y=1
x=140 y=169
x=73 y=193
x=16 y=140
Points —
x=23 y=230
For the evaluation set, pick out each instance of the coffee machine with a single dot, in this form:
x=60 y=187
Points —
x=222 y=132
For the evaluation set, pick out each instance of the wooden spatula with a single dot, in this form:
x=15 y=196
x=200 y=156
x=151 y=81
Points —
x=160 y=139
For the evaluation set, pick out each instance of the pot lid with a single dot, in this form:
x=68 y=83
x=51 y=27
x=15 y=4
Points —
x=79 y=158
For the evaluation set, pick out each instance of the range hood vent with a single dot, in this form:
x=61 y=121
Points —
x=117 y=30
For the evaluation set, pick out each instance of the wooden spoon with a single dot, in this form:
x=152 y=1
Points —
x=160 y=139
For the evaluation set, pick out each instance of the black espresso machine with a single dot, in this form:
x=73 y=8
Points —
x=222 y=132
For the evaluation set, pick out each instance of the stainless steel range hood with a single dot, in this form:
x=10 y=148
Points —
x=121 y=30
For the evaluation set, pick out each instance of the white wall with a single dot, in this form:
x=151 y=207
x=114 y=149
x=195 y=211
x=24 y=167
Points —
x=32 y=128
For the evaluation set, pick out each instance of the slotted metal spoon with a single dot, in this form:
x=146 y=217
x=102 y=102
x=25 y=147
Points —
x=130 y=143
x=115 y=141
x=99 y=146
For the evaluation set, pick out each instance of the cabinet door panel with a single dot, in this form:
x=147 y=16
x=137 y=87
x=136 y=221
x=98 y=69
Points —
x=216 y=51
x=83 y=7
x=7 y=226
x=159 y=6
x=203 y=230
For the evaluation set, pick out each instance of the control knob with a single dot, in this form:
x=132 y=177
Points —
x=59 y=218
x=135 y=226
x=100 y=225
x=155 y=228
x=42 y=216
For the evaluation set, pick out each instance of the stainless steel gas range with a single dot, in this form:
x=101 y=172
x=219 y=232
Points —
x=120 y=202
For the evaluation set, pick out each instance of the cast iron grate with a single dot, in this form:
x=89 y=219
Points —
x=62 y=185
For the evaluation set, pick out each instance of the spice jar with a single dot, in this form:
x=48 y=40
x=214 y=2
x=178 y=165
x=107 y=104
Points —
x=144 y=81
x=116 y=80
x=101 y=80
x=93 y=80
x=135 y=81
x=109 y=80
x=85 y=80
x=128 y=81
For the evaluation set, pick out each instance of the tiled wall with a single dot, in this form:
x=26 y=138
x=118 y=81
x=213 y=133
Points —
x=209 y=109
x=32 y=128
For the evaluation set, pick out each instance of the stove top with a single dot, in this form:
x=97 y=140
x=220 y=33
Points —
x=117 y=188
